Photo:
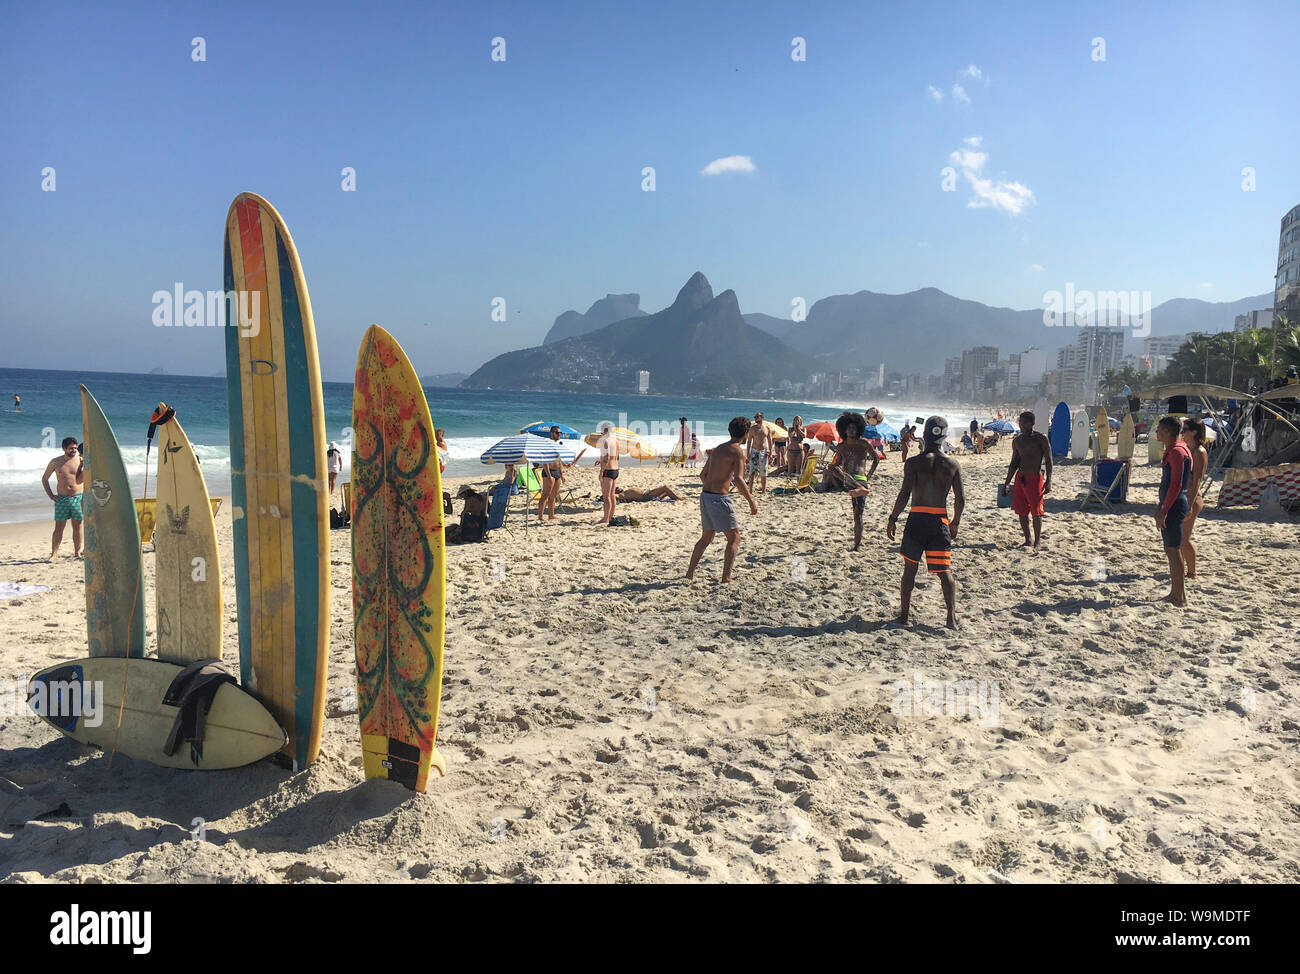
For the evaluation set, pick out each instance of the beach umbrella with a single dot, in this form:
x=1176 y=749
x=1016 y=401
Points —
x=1002 y=426
x=544 y=429
x=528 y=448
x=823 y=430
x=1114 y=423
x=628 y=443
x=881 y=431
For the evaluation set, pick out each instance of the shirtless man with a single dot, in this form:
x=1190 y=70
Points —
x=758 y=442
x=846 y=470
x=721 y=470
x=1029 y=451
x=608 y=464
x=69 y=471
x=927 y=478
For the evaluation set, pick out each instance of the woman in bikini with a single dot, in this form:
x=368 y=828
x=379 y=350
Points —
x=794 y=446
x=1194 y=436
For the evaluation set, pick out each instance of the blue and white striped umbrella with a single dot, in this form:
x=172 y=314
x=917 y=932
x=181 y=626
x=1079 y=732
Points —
x=528 y=448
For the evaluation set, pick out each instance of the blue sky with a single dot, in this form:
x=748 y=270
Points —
x=521 y=179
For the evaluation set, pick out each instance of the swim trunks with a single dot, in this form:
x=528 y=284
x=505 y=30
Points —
x=611 y=474
x=757 y=462
x=1174 y=517
x=1027 y=494
x=860 y=503
x=716 y=512
x=68 y=507
x=926 y=532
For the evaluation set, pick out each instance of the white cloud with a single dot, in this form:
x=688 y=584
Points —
x=972 y=72
x=934 y=92
x=729 y=164
x=1206 y=284
x=998 y=194
x=959 y=94
x=974 y=141
x=1036 y=268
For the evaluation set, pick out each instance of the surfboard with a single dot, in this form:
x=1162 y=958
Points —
x=398 y=566
x=187 y=570
x=1042 y=415
x=1155 y=449
x=1103 y=434
x=1080 y=433
x=84 y=699
x=1127 y=438
x=277 y=475
x=114 y=580
x=1060 y=430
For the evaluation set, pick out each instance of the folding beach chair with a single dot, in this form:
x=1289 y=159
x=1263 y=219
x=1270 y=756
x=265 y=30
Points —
x=1105 y=492
x=497 y=505
x=530 y=486
x=805 y=479
x=678 y=456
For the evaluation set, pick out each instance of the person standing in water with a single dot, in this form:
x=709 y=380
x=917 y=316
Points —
x=927 y=479
x=722 y=469
x=1194 y=439
x=1029 y=452
x=1172 y=510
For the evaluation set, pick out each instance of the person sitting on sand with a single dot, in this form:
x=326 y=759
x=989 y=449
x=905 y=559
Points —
x=1194 y=438
x=653 y=494
x=69 y=475
x=1172 y=510
x=722 y=469
x=927 y=479
x=1029 y=451
x=759 y=443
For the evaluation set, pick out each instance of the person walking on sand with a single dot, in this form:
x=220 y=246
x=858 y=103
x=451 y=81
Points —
x=722 y=469
x=758 y=441
x=1194 y=438
x=69 y=474
x=927 y=479
x=334 y=459
x=1029 y=451
x=683 y=440
x=1173 y=507
x=608 y=464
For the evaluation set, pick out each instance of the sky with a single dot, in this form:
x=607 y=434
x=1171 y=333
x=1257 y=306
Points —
x=1101 y=145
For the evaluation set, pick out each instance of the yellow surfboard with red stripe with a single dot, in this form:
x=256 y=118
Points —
x=277 y=474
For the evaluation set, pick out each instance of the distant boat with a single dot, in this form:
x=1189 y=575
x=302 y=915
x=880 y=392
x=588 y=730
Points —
x=157 y=372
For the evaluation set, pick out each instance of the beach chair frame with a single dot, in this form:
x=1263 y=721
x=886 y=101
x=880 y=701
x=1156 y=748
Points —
x=1102 y=495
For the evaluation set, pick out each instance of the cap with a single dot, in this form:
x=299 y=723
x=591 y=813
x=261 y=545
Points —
x=936 y=429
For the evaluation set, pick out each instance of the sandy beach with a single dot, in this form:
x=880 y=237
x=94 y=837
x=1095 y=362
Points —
x=604 y=720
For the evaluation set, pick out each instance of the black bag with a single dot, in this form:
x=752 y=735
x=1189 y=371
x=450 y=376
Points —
x=339 y=519
x=473 y=527
x=446 y=502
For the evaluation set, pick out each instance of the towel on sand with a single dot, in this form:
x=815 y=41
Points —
x=9 y=590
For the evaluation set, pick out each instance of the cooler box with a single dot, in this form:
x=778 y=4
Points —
x=1107 y=471
x=1004 y=499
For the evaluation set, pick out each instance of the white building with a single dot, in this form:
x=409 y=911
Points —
x=1158 y=350
x=1033 y=366
x=643 y=382
x=1254 y=319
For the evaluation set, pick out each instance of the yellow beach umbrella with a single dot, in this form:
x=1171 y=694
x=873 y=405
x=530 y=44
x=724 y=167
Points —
x=629 y=444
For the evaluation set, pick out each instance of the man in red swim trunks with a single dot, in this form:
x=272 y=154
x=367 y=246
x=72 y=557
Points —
x=1029 y=451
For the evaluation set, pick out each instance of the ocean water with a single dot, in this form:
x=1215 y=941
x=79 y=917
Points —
x=473 y=419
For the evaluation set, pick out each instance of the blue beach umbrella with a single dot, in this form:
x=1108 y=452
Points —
x=1000 y=426
x=544 y=429
x=528 y=448
x=881 y=431
x=1114 y=423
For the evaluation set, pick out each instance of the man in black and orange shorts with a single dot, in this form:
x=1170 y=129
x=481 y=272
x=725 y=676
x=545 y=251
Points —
x=927 y=479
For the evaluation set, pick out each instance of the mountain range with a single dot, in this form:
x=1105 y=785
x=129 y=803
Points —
x=703 y=345
x=700 y=345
